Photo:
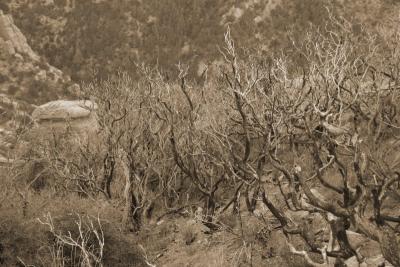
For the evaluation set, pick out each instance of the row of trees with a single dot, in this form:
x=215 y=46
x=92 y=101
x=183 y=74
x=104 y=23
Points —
x=323 y=135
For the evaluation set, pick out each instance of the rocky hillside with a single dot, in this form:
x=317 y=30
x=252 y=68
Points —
x=26 y=80
x=86 y=39
x=98 y=38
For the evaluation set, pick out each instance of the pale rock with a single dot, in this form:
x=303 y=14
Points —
x=64 y=109
x=334 y=130
x=357 y=240
x=18 y=56
x=305 y=202
x=258 y=19
x=353 y=262
x=9 y=32
x=378 y=260
x=318 y=194
x=369 y=262
x=151 y=19
x=56 y=118
x=41 y=75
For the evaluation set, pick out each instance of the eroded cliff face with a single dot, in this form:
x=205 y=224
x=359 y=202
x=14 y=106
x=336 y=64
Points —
x=26 y=80
x=12 y=40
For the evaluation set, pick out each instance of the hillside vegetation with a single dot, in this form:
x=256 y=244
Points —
x=98 y=38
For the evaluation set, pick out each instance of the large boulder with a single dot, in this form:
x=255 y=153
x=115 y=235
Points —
x=64 y=109
x=62 y=129
x=63 y=116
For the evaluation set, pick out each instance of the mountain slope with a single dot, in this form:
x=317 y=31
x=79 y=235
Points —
x=98 y=38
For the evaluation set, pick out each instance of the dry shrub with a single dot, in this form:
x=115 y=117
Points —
x=30 y=242
x=188 y=234
x=58 y=160
x=88 y=241
x=83 y=245
x=23 y=238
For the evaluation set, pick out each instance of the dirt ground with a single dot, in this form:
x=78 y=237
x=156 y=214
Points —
x=184 y=241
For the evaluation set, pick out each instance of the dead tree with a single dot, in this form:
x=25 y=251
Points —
x=335 y=114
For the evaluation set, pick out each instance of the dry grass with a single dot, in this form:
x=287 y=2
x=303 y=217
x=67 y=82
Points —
x=25 y=239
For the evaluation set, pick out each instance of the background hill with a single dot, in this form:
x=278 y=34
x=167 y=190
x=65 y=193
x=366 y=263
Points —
x=87 y=38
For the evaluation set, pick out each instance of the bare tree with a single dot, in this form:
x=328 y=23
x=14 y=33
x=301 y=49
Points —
x=327 y=131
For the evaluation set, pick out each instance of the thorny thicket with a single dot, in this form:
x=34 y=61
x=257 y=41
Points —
x=324 y=135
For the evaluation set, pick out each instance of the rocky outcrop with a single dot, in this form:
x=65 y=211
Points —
x=19 y=64
x=26 y=80
x=14 y=44
x=12 y=40
x=59 y=117
x=64 y=109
